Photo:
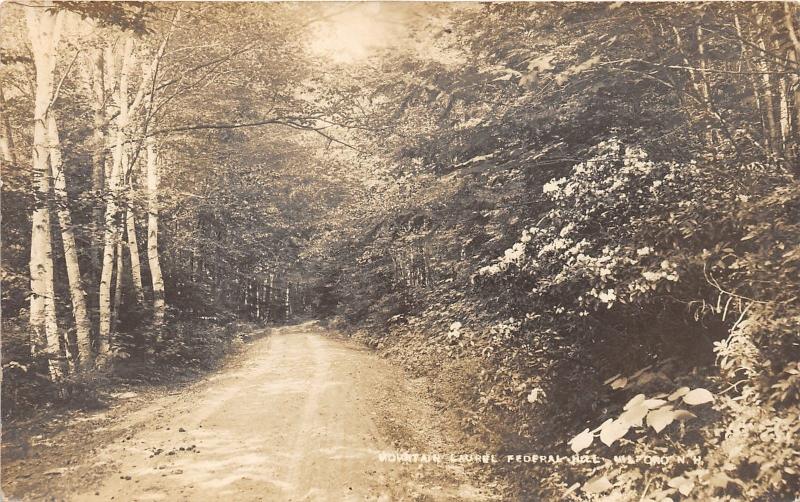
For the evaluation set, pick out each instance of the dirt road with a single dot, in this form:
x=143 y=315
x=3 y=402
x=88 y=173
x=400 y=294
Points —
x=297 y=417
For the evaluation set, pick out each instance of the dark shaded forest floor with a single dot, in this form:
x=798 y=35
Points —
x=292 y=416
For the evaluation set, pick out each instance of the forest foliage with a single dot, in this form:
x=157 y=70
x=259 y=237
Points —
x=584 y=218
x=589 y=193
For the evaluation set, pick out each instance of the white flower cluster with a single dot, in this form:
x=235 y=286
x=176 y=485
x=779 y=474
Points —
x=608 y=297
x=652 y=278
x=603 y=190
x=514 y=255
x=602 y=175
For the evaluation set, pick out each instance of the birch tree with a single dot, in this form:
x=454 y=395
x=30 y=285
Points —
x=96 y=76
x=83 y=325
x=44 y=28
x=133 y=242
x=154 y=260
x=115 y=189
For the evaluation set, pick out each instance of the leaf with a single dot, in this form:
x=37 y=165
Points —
x=609 y=380
x=652 y=404
x=684 y=485
x=698 y=396
x=678 y=394
x=603 y=425
x=634 y=416
x=660 y=419
x=638 y=398
x=619 y=383
x=719 y=480
x=597 y=484
x=581 y=441
x=613 y=431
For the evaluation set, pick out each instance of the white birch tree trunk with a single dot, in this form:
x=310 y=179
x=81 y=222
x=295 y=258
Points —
x=44 y=27
x=120 y=269
x=794 y=85
x=288 y=305
x=133 y=249
x=258 y=301
x=785 y=117
x=112 y=217
x=97 y=79
x=83 y=325
x=153 y=258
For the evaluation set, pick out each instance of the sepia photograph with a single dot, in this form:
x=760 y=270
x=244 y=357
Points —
x=400 y=251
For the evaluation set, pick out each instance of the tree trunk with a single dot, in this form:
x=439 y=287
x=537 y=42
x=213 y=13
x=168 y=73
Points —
x=704 y=86
x=785 y=117
x=130 y=220
x=746 y=53
x=133 y=251
x=288 y=305
x=112 y=216
x=6 y=136
x=269 y=296
x=83 y=325
x=98 y=155
x=773 y=126
x=120 y=269
x=153 y=178
x=794 y=86
x=44 y=28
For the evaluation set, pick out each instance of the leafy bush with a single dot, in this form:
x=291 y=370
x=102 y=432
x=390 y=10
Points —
x=639 y=258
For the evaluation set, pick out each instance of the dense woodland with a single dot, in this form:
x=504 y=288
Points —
x=581 y=220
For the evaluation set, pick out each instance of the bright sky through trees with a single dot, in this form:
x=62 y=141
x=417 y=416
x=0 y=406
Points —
x=355 y=31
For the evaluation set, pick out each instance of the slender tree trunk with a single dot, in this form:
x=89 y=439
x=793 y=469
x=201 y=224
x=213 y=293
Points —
x=130 y=220
x=793 y=100
x=794 y=85
x=120 y=273
x=269 y=295
x=133 y=251
x=704 y=86
x=97 y=77
x=287 y=304
x=258 y=300
x=773 y=126
x=785 y=117
x=153 y=259
x=44 y=28
x=83 y=325
x=747 y=56
x=112 y=217
x=6 y=136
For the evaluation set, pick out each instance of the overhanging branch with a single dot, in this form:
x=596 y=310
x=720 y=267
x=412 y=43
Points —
x=298 y=123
